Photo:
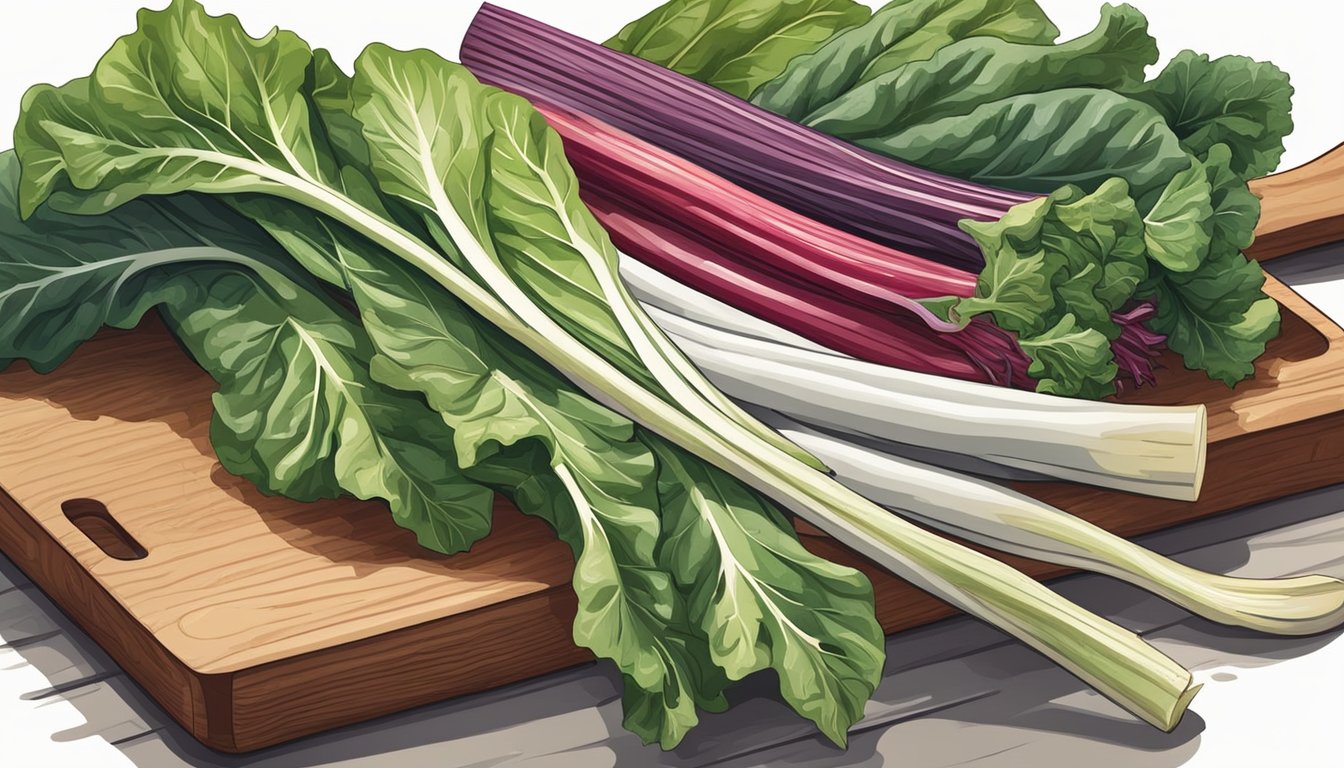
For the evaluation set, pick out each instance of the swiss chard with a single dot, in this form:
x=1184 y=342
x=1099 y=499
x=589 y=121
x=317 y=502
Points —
x=978 y=91
x=296 y=413
x=731 y=44
x=189 y=102
x=901 y=32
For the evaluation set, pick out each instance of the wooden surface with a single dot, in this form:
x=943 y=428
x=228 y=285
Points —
x=953 y=694
x=1300 y=208
x=254 y=620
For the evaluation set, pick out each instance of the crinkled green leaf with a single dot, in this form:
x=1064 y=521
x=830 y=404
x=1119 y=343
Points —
x=1217 y=317
x=734 y=45
x=1231 y=100
x=976 y=71
x=1073 y=361
x=296 y=412
x=751 y=583
x=1042 y=141
x=1178 y=227
x=166 y=110
x=1056 y=270
x=900 y=32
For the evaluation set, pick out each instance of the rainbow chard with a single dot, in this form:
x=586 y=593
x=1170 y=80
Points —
x=951 y=132
x=460 y=312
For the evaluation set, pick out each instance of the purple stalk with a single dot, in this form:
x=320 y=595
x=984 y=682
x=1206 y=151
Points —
x=827 y=179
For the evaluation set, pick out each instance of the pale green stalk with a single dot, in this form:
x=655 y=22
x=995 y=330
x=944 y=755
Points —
x=1113 y=660
x=995 y=517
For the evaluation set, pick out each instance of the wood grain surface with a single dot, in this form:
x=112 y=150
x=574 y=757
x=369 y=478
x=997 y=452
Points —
x=1300 y=208
x=254 y=620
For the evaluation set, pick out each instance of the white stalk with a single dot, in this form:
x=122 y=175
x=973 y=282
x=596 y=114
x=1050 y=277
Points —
x=995 y=517
x=1153 y=450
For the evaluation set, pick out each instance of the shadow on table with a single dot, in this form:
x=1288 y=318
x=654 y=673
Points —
x=953 y=693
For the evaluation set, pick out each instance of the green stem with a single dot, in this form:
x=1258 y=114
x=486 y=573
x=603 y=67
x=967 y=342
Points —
x=1114 y=661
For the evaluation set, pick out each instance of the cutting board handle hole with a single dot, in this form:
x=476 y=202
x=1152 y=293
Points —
x=91 y=517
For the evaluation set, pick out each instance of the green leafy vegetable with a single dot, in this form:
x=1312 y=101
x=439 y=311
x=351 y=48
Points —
x=901 y=32
x=190 y=102
x=1217 y=315
x=750 y=582
x=296 y=412
x=1231 y=100
x=1057 y=268
x=1177 y=229
x=975 y=71
x=734 y=44
x=1041 y=141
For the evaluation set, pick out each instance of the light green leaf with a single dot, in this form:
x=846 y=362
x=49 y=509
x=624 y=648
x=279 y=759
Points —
x=1072 y=361
x=599 y=491
x=160 y=117
x=901 y=32
x=734 y=45
x=298 y=414
x=1056 y=270
x=1177 y=230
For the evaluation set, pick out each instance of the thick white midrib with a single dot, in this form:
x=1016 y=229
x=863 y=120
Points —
x=904 y=548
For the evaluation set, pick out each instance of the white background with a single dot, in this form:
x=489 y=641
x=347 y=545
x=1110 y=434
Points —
x=1285 y=714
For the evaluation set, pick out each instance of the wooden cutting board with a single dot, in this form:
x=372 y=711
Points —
x=254 y=620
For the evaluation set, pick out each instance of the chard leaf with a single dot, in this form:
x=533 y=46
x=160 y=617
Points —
x=1217 y=316
x=1072 y=361
x=1232 y=100
x=1236 y=209
x=975 y=71
x=1056 y=270
x=734 y=45
x=526 y=234
x=1039 y=142
x=63 y=277
x=901 y=32
x=1178 y=228
x=160 y=118
x=296 y=412
x=598 y=487
x=298 y=415
x=750 y=582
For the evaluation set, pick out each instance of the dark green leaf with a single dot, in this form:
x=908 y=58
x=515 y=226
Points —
x=901 y=32
x=976 y=71
x=1231 y=100
x=1040 y=142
